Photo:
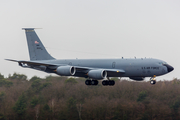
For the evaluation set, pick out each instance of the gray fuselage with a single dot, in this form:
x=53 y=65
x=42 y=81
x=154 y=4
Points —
x=132 y=67
x=93 y=69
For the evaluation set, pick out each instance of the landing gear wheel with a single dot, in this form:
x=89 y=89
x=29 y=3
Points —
x=108 y=82
x=91 y=82
x=111 y=82
x=88 y=82
x=94 y=82
x=105 y=82
x=153 y=82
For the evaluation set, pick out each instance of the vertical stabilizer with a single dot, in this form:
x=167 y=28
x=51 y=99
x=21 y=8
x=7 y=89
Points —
x=37 y=50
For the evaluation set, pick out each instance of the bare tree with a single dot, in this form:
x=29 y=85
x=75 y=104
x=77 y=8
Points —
x=79 y=107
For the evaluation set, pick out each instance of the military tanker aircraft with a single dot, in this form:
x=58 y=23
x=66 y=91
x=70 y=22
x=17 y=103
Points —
x=92 y=69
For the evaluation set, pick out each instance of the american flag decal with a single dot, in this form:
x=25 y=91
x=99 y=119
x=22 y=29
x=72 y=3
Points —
x=36 y=42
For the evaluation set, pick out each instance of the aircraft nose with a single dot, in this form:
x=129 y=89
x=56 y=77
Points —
x=169 y=67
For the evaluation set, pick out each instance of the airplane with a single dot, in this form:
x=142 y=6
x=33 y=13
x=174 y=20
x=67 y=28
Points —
x=91 y=69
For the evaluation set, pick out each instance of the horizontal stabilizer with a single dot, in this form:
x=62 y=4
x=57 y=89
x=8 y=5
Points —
x=34 y=62
x=11 y=60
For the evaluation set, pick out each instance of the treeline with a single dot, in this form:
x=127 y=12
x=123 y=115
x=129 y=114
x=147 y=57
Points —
x=62 y=98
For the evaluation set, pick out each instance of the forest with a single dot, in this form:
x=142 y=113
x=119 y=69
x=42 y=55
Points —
x=63 y=98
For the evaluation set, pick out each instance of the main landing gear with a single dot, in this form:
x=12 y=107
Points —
x=108 y=82
x=104 y=82
x=91 y=82
x=153 y=80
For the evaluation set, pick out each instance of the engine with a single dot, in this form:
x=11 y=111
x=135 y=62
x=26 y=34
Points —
x=66 y=70
x=137 y=78
x=97 y=74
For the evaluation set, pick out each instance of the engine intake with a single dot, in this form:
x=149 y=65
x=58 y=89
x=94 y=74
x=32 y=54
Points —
x=66 y=70
x=97 y=74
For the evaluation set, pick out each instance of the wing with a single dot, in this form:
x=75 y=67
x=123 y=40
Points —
x=108 y=70
x=52 y=67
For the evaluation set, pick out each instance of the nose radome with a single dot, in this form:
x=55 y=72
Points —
x=169 y=67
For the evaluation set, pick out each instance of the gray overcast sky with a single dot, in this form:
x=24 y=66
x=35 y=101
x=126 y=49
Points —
x=91 y=29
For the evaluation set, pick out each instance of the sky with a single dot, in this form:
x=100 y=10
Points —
x=91 y=29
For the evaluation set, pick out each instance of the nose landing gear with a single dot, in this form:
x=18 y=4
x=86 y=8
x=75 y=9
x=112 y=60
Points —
x=153 y=80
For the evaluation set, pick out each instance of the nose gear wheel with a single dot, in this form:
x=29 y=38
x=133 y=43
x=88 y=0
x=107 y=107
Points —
x=153 y=80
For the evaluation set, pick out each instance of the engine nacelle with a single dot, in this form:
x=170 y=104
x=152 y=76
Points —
x=97 y=74
x=66 y=70
x=137 y=78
